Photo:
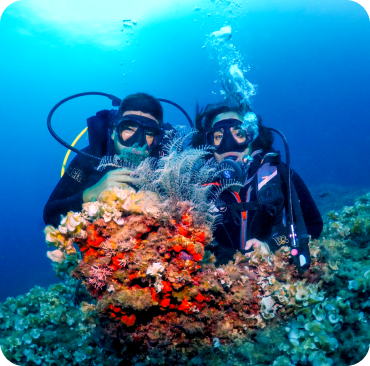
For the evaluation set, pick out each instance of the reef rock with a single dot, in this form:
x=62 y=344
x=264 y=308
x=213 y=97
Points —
x=152 y=294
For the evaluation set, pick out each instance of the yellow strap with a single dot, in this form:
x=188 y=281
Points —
x=69 y=151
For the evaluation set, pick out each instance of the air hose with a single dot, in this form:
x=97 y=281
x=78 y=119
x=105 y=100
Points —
x=115 y=102
x=299 y=239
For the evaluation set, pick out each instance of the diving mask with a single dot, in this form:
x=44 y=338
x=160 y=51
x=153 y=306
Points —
x=228 y=135
x=139 y=130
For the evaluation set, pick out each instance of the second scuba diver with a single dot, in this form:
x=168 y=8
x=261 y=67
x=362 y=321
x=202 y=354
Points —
x=255 y=212
x=139 y=123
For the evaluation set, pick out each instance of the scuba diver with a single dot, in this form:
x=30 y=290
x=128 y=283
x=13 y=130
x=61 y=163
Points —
x=137 y=124
x=258 y=209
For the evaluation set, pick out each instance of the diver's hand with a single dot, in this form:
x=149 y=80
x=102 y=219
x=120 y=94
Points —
x=255 y=243
x=303 y=258
x=114 y=178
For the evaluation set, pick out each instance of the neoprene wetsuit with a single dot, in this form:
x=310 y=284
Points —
x=265 y=222
x=81 y=173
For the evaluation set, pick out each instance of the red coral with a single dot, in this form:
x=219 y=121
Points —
x=191 y=249
x=155 y=297
x=200 y=297
x=200 y=238
x=165 y=302
x=166 y=286
x=185 y=305
x=95 y=242
x=128 y=320
x=115 y=308
x=90 y=253
x=183 y=231
x=116 y=260
x=185 y=292
x=177 y=248
x=198 y=257
x=93 y=239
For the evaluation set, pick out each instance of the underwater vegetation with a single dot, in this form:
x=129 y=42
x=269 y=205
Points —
x=43 y=327
x=153 y=296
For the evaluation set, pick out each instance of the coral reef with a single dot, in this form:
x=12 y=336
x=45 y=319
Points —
x=155 y=297
x=42 y=327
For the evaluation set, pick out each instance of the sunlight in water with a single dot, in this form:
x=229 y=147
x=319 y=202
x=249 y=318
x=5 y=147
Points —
x=93 y=21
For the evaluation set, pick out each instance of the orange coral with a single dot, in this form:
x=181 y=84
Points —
x=90 y=253
x=165 y=302
x=177 y=248
x=116 y=260
x=115 y=309
x=183 y=231
x=200 y=297
x=166 y=286
x=197 y=257
x=154 y=295
x=200 y=238
x=185 y=305
x=128 y=320
x=191 y=249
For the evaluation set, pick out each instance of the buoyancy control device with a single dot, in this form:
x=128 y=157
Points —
x=270 y=199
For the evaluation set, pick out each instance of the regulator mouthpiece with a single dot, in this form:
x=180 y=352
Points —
x=233 y=169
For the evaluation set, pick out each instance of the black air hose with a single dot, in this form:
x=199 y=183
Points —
x=299 y=220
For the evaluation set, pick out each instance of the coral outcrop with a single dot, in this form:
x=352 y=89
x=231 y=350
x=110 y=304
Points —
x=155 y=296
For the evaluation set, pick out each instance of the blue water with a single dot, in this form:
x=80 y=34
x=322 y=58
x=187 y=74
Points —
x=310 y=60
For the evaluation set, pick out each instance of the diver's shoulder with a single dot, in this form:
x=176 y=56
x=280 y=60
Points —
x=83 y=160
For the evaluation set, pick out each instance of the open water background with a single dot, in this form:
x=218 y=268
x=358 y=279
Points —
x=310 y=60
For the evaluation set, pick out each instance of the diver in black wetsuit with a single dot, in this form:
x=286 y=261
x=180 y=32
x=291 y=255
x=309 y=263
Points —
x=254 y=213
x=139 y=121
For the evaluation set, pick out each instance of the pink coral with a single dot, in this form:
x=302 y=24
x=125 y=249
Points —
x=99 y=275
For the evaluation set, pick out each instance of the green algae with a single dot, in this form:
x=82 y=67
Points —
x=43 y=327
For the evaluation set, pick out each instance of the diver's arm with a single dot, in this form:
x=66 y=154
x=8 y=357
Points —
x=280 y=235
x=311 y=213
x=67 y=195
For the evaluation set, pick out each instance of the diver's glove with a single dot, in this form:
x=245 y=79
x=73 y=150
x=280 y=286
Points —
x=302 y=257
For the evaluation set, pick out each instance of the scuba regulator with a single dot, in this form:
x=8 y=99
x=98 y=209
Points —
x=231 y=169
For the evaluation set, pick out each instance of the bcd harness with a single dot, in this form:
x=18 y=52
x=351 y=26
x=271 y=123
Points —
x=264 y=204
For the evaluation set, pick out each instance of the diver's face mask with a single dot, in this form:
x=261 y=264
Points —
x=133 y=129
x=227 y=135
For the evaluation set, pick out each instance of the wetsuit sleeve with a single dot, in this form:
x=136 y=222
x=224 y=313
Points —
x=67 y=195
x=311 y=213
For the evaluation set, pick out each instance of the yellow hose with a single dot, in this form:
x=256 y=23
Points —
x=69 y=151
